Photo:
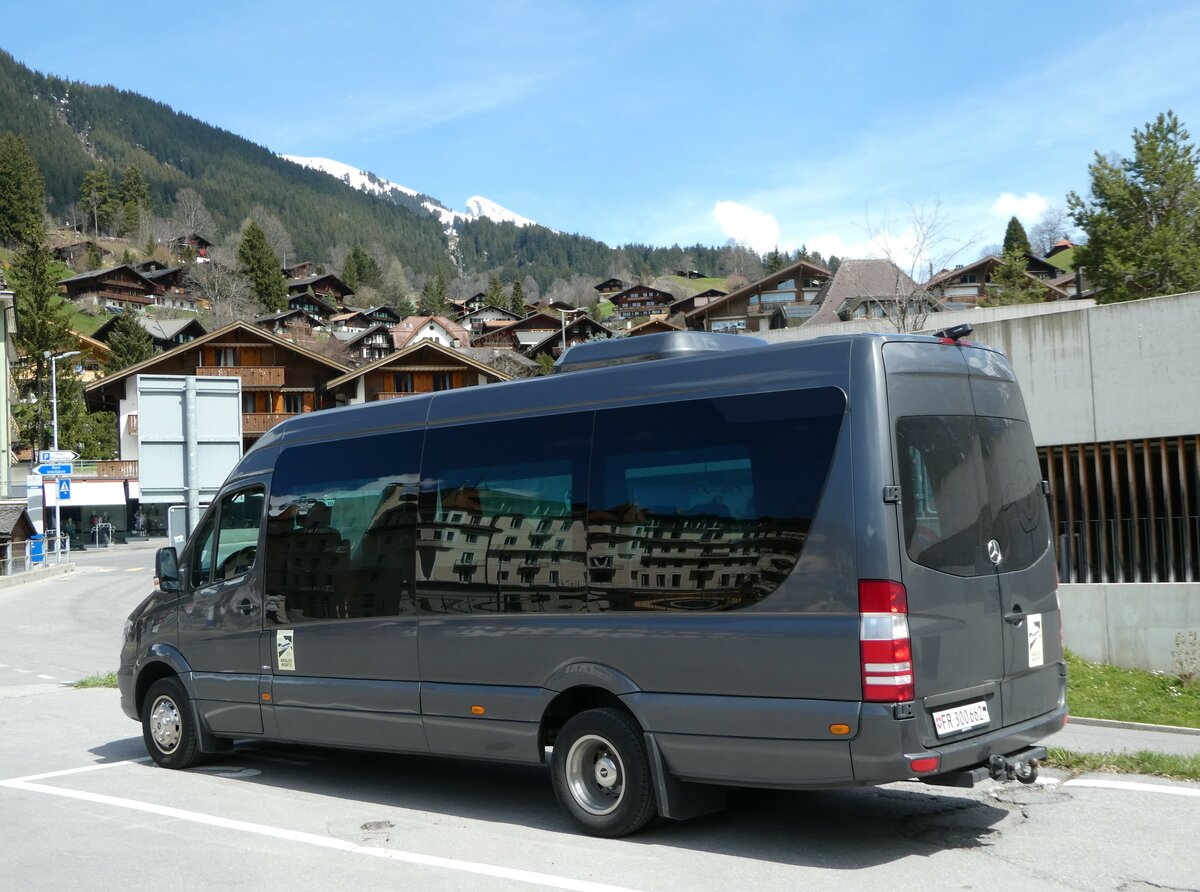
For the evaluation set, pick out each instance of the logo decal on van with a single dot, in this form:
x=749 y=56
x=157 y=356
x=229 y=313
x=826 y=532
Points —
x=1033 y=625
x=285 y=649
x=994 y=554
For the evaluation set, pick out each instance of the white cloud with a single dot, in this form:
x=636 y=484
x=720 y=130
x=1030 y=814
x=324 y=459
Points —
x=757 y=229
x=1028 y=209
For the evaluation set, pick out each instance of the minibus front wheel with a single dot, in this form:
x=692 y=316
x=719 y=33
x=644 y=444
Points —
x=601 y=774
x=168 y=726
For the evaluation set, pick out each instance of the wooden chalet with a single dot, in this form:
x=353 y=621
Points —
x=383 y=314
x=77 y=254
x=279 y=379
x=327 y=285
x=294 y=325
x=120 y=287
x=352 y=321
x=430 y=328
x=367 y=345
x=609 y=287
x=166 y=333
x=303 y=270
x=523 y=333
x=749 y=308
x=641 y=300
x=421 y=367
x=315 y=305
x=193 y=243
x=585 y=328
x=654 y=325
x=969 y=284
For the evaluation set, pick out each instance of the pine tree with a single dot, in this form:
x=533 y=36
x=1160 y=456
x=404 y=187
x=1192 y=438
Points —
x=494 y=296
x=435 y=301
x=22 y=193
x=258 y=263
x=518 y=296
x=1010 y=284
x=775 y=261
x=404 y=307
x=134 y=197
x=98 y=196
x=42 y=324
x=128 y=344
x=1142 y=219
x=1015 y=238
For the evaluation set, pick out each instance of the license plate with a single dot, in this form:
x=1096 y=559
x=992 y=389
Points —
x=961 y=718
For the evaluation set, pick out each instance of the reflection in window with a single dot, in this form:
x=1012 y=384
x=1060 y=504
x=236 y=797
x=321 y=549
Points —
x=340 y=534
x=524 y=486
x=668 y=480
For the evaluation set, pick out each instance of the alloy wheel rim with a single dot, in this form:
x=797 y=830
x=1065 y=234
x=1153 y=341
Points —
x=595 y=775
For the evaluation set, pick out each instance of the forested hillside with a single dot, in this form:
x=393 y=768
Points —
x=73 y=128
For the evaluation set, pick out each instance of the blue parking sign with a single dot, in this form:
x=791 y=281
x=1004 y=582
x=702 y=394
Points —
x=64 y=489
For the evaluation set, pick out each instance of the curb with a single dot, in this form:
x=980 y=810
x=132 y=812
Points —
x=36 y=575
x=1132 y=726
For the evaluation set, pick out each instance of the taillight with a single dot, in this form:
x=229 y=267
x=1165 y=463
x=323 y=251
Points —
x=884 y=641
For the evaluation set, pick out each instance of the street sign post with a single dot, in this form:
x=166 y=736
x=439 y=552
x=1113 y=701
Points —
x=56 y=456
x=53 y=470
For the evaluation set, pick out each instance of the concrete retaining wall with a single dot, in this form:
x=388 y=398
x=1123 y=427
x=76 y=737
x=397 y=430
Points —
x=1131 y=625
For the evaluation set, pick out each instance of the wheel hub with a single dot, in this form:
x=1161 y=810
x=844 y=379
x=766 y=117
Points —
x=165 y=724
x=606 y=772
x=595 y=775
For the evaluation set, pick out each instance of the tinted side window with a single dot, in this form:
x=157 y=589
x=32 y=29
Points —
x=706 y=504
x=966 y=480
x=341 y=529
x=237 y=536
x=502 y=517
x=200 y=565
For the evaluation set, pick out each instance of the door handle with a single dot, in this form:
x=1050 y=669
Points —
x=246 y=607
x=1016 y=617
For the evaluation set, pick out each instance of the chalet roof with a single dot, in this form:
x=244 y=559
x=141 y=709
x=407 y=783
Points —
x=655 y=323
x=10 y=518
x=404 y=352
x=344 y=317
x=160 y=271
x=871 y=279
x=988 y=262
x=406 y=330
x=611 y=283
x=283 y=314
x=583 y=322
x=224 y=331
x=192 y=237
x=302 y=284
x=492 y=355
x=642 y=289
x=351 y=337
x=159 y=329
x=711 y=292
x=101 y=273
x=512 y=317
x=814 y=270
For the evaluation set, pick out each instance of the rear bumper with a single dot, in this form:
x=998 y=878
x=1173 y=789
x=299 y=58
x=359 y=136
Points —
x=886 y=746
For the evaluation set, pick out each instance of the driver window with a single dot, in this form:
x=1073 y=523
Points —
x=237 y=539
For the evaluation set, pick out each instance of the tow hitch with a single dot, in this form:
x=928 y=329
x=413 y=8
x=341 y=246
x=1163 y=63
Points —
x=1024 y=770
x=1020 y=766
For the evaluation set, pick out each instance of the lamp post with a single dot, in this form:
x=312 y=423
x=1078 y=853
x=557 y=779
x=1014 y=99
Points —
x=562 y=315
x=54 y=358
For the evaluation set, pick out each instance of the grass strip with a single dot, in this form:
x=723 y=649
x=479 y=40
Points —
x=98 y=681
x=1142 y=762
x=1130 y=695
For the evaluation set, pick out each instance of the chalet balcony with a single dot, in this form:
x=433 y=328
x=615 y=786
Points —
x=391 y=395
x=108 y=469
x=261 y=422
x=252 y=376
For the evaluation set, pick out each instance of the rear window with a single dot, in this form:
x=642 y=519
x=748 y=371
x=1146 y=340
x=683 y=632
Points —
x=967 y=480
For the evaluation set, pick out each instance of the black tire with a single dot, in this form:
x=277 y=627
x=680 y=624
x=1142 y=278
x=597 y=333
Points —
x=168 y=727
x=601 y=775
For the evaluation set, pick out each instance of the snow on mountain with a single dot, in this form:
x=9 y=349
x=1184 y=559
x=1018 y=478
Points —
x=364 y=180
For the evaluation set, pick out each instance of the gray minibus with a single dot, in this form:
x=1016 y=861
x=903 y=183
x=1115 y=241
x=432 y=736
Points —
x=685 y=562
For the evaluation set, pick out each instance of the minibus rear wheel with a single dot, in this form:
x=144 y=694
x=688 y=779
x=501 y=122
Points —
x=601 y=774
x=168 y=727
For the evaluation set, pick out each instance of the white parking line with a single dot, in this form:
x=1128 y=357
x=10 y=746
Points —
x=1133 y=786
x=312 y=839
x=135 y=569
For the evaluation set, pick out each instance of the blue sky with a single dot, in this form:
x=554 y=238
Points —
x=659 y=122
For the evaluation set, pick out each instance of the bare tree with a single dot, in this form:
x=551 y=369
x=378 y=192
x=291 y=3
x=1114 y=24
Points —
x=189 y=214
x=277 y=235
x=1055 y=224
x=227 y=293
x=915 y=250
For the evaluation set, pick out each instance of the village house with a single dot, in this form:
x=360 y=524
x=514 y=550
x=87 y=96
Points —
x=583 y=328
x=749 y=308
x=641 y=300
x=165 y=333
x=329 y=286
x=120 y=287
x=968 y=284
x=423 y=366
x=279 y=379
x=367 y=345
x=477 y=320
x=429 y=328
x=522 y=334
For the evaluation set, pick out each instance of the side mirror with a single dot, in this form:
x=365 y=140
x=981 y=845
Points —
x=166 y=570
